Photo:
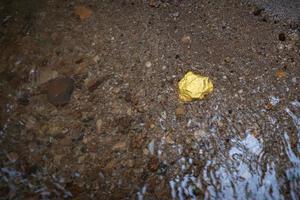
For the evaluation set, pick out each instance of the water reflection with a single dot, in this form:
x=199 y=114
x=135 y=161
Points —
x=240 y=175
x=293 y=173
x=246 y=171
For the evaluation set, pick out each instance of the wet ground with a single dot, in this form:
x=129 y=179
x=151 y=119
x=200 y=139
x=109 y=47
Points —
x=90 y=108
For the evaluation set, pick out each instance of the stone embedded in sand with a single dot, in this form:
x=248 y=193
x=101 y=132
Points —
x=180 y=111
x=83 y=12
x=59 y=90
x=153 y=164
x=99 y=124
x=45 y=75
x=186 y=39
x=120 y=146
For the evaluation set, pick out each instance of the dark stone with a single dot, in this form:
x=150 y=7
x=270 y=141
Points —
x=60 y=90
x=258 y=11
x=281 y=36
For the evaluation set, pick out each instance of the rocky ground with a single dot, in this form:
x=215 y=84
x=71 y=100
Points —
x=90 y=108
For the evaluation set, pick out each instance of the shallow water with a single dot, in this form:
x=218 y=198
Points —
x=245 y=171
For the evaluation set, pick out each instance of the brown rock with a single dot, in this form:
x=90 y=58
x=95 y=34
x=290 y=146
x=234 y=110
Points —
x=83 y=12
x=186 y=39
x=46 y=75
x=154 y=3
x=120 y=146
x=169 y=140
x=180 y=111
x=59 y=90
x=153 y=164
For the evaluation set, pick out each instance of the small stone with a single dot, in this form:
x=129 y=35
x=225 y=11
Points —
x=59 y=90
x=152 y=126
x=280 y=46
x=153 y=164
x=12 y=157
x=54 y=130
x=151 y=147
x=227 y=60
x=257 y=11
x=145 y=152
x=175 y=14
x=99 y=124
x=96 y=58
x=186 y=39
x=120 y=146
x=45 y=75
x=148 y=64
x=281 y=37
x=82 y=12
x=180 y=111
x=154 y=3
x=91 y=84
x=295 y=36
x=169 y=140
x=280 y=73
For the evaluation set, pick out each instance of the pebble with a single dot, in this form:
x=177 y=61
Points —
x=46 y=75
x=99 y=126
x=96 y=58
x=153 y=164
x=295 y=36
x=120 y=146
x=169 y=140
x=148 y=64
x=151 y=147
x=186 y=39
x=59 y=90
x=145 y=152
x=180 y=111
x=175 y=14
x=281 y=37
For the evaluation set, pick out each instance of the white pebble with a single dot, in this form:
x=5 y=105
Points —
x=148 y=64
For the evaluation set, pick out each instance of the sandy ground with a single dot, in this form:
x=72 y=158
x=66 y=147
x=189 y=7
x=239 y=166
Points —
x=118 y=130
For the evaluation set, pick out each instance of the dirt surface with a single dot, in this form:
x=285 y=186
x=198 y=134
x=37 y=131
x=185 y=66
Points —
x=122 y=132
